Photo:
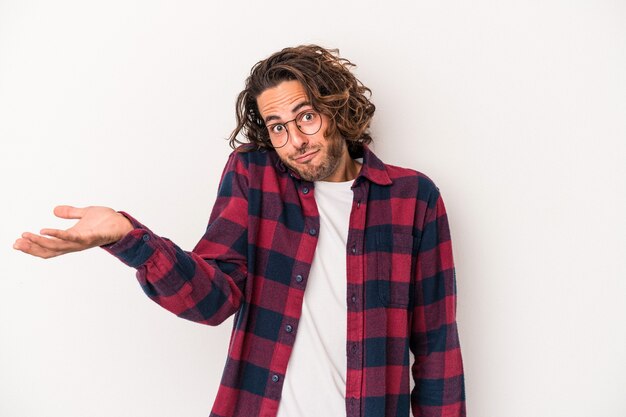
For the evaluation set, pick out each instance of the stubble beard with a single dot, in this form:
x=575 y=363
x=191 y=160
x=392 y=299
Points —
x=326 y=167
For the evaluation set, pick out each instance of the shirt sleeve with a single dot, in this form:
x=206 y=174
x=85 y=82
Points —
x=207 y=284
x=438 y=368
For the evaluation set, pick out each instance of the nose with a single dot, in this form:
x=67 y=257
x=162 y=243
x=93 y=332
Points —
x=297 y=138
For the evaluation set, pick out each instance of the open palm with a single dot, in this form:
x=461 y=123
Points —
x=96 y=226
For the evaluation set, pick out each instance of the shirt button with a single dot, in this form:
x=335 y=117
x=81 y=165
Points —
x=354 y=348
x=146 y=238
x=275 y=378
x=299 y=278
x=305 y=190
x=353 y=298
x=312 y=232
x=289 y=328
x=353 y=250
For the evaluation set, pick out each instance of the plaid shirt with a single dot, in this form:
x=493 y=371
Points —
x=254 y=260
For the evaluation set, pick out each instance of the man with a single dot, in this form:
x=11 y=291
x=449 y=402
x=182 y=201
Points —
x=335 y=265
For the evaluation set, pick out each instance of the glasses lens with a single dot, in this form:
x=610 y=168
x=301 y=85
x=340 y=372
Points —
x=309 y=122
x=278 y=135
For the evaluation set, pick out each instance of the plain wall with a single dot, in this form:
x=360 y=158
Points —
x=517 y=110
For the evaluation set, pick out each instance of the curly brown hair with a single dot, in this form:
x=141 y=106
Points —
x=331 y=88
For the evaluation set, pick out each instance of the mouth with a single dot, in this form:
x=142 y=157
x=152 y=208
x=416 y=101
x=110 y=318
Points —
x=306 y=157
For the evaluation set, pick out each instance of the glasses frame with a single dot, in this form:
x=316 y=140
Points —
x=284 y=124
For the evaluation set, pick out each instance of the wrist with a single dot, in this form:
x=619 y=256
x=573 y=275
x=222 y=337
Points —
x=124 y=226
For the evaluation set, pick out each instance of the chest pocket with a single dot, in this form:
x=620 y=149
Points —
x=395 y=266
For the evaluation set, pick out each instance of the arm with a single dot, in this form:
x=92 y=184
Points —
x=205 y=285
x=438 y=369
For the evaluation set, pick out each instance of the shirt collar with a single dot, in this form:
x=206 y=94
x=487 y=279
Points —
x=373 y=168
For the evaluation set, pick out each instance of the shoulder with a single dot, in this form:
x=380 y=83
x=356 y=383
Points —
x=399 y=178
x=249 y=154
x=261 y=168
x=414 y=182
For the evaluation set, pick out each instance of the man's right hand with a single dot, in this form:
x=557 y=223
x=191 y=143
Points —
x=96 y=226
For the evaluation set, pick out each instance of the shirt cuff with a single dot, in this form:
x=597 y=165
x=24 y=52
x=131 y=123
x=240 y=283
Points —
x=135 y=248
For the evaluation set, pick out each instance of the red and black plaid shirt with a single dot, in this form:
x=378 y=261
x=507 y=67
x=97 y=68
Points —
x=254 y=261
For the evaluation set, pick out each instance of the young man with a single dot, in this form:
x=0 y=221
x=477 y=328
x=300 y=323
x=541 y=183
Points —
x=337 y=266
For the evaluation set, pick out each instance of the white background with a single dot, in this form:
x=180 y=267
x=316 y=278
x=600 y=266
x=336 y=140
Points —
x=517 y=110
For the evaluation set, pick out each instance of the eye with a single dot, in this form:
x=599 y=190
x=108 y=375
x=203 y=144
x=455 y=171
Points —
x=277 y=129
x=307 y=117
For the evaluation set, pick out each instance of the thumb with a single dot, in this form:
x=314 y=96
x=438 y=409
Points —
x=69 y=212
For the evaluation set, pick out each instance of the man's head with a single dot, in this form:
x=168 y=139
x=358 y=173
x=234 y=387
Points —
x=330 y=89
x=299 y=135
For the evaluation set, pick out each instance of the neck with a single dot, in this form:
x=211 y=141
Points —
x=347 y=170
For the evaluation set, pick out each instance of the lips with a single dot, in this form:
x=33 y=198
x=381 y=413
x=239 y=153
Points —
x=306 y=157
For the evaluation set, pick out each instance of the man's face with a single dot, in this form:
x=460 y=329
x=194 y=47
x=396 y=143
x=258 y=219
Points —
x=313 y=157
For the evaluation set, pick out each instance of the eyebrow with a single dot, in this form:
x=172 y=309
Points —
x=295 y=109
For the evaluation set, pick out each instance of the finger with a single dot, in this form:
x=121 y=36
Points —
x=59 y=234
x=21 y=244
x=69 y=212
x=53 y=244
x=30 y=248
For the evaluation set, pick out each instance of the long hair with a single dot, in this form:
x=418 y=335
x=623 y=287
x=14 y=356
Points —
x=331 y=88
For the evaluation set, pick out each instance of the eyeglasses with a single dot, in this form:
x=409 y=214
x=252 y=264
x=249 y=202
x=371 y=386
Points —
x=308 y=122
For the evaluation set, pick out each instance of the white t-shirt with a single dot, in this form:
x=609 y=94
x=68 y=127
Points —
x=315 y=381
